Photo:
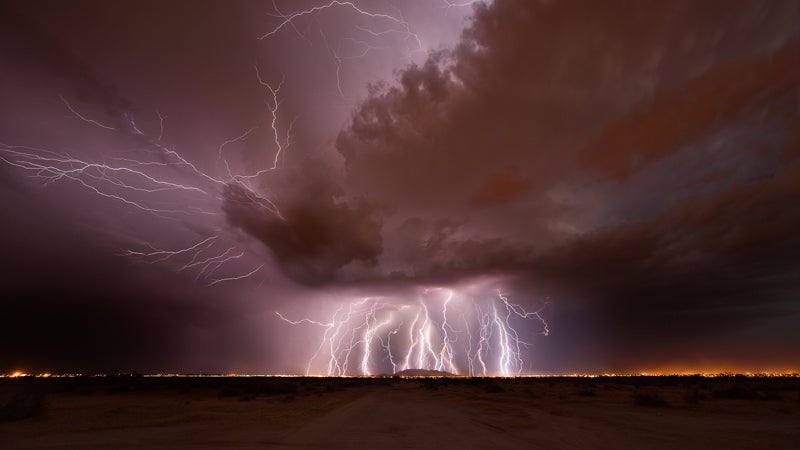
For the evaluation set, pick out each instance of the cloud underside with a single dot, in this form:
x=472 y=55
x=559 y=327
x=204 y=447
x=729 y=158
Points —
x=574 y=142
x=642 y=155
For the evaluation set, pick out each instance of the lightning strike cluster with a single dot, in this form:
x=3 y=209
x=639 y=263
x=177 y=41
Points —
x=442 y=330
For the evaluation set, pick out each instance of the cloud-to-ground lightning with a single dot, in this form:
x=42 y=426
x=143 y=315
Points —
x=370 y=331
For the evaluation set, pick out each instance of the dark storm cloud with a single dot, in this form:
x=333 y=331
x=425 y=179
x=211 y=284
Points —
x=531 y=83
x=633 y=159
x=736 y=247
x=502 y=187
x=538 y=96
x=654 y=128
x=722 y=266
x=438 y=251
x=314 y=238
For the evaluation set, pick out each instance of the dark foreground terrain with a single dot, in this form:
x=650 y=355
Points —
x=384 y=413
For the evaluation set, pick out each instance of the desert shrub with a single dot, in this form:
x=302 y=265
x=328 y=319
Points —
x=494 y=388
x=275 y=387
x=331 y=388
x=587 y=391
x=431 y=385
x=649 y=398
x=22 y=404
x=692 y=396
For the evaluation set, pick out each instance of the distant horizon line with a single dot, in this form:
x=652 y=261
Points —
x=21 y=374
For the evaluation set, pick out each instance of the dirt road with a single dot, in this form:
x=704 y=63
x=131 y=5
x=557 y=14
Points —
x=400 y=419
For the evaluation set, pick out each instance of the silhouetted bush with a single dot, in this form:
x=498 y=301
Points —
x=431 y=385
x=693 y=396
x=494 y=388
x=273 y=387
x=645 y=398
x=586 y=391
x=586 y=388
x=330 y=388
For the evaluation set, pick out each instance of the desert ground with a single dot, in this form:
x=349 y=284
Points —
x=387 y=413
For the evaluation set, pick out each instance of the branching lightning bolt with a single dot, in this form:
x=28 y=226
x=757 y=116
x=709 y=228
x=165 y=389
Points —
x=140 y=182
x=290 y=18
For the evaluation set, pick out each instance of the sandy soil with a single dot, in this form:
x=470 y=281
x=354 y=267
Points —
x=388 y=414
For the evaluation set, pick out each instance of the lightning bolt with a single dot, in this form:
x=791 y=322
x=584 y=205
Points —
x=449 y=4
x=82 y=117
x=163 y=255
x=240 y=277
x=290 y=18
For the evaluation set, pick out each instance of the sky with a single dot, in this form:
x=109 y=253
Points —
x=340 y=187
